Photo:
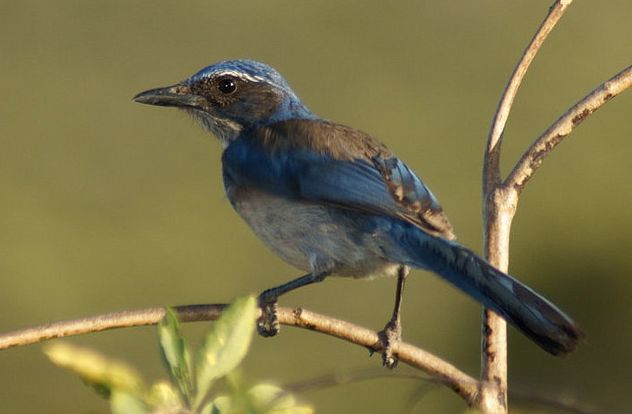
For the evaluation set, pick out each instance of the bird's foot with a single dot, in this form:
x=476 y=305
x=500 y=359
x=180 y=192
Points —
x=268 y=323
x=389 y=336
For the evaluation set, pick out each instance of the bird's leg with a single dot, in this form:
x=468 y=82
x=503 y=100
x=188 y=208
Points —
x=392 y=332
x=268 y=323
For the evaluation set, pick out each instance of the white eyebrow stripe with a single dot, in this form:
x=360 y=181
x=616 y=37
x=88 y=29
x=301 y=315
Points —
x=240 y=75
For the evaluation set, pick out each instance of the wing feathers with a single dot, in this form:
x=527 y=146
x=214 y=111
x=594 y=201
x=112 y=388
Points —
x=334 y=164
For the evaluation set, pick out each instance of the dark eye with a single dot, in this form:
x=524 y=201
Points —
x=226 y=85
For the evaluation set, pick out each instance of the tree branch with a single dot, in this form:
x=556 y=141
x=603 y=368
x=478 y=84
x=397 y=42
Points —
x=498 y=210
x=438 y=369
x=491 y=166
x=560 y=129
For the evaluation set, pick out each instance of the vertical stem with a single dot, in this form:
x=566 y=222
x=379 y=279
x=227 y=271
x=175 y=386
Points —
x=500 y=207
x=492 y=397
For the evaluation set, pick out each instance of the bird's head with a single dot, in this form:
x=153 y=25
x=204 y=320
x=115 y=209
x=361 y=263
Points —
x=230 y=96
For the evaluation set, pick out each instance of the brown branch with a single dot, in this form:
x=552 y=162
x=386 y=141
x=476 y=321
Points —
x=440 y=370
x=560 y=129
x=498 y=211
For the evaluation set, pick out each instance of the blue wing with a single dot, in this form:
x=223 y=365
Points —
x=329 y=163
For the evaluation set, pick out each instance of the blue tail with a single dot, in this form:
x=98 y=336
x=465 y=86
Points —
x=529 y=312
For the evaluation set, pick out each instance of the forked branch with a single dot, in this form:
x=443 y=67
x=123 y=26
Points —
x=500 y=198
x=560 y=129
x=498 y=210
x=491 y=165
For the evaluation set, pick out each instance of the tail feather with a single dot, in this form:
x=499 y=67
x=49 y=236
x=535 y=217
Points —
x=529 y=312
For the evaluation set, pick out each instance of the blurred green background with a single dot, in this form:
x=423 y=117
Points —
x=108 y=205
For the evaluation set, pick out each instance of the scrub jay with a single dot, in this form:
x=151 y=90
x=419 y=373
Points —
x=332 y=200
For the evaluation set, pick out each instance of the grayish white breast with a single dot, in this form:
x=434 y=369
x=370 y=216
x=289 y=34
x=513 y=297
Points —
x=313 y=237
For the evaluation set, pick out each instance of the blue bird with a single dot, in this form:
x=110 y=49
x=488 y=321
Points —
x=332 y=200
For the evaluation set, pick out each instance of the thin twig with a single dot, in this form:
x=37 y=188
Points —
x=560 y=129
x=491 y=167
x=437 y=368
x=498 y=210
x=569 y=404
x=350 y=377
x=525 y=395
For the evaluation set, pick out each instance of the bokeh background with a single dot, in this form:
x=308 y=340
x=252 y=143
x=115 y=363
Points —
x=108 y=205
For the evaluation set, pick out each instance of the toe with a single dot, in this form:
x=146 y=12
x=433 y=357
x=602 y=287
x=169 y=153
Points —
x=389 y=336
x=268 y=324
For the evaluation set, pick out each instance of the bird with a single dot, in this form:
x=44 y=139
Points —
x=333 y=200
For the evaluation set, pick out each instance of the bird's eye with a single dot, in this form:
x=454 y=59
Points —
x=227 y=85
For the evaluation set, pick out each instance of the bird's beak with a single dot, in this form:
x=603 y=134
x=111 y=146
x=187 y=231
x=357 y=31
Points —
x=176 y=95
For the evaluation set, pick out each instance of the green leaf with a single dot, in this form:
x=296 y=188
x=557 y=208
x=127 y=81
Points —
x=122 y=402
x=260 y=399
x=104 y=374
x=225 y=345
x=163 y=394
x=221 y=405
x=175 y=353
x=271 y=399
